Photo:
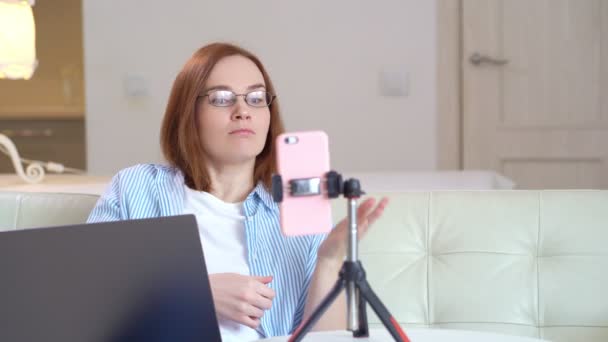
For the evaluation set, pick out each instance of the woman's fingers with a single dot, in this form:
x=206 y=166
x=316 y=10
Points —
x=366 y=206
x=369 y=214
x=251 y=322
x=265 y=291
x=262 y=303
x=254 y=312
x=377 y=212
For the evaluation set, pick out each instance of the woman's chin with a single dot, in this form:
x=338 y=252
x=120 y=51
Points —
x=235 y=154
x=241 y=159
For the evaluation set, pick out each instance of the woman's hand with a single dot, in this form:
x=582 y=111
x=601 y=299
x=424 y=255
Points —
x=241 y=298
x=333 y=249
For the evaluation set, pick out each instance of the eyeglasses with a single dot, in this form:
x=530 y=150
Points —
x=227 y=98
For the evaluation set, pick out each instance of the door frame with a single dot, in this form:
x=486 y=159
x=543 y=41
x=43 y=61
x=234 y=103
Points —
x=449 y=85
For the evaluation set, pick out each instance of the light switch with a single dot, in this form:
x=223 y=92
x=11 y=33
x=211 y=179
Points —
x=393 y=83
x=135 y=85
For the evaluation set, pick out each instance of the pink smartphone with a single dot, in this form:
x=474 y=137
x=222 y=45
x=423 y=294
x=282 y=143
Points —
x=303 y=162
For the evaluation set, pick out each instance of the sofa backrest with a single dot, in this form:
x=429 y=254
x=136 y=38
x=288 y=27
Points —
x=529 y=263
x=29 y=210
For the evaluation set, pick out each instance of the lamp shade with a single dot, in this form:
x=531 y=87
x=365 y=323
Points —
x=17 y=40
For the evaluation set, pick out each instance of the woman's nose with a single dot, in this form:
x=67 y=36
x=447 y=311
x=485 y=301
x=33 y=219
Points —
x=241 y=109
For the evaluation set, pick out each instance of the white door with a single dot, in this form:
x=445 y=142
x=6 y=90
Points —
x=535 y=91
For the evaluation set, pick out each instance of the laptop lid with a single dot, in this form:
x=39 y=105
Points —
x=137 y=280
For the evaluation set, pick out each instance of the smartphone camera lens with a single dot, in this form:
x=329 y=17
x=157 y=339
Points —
x=291 y=140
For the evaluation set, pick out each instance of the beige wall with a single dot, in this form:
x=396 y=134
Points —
x=324 y=57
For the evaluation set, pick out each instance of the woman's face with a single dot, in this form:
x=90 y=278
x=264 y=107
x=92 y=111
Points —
x=233 y=132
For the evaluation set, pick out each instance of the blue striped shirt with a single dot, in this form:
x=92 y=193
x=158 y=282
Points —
x=148 y=190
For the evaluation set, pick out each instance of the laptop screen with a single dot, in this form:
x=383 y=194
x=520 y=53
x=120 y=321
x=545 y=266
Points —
x=137 y=280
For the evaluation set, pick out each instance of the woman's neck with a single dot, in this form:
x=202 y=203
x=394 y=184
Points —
x=231 y=183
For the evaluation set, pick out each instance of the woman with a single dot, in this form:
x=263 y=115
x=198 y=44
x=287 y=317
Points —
x=217 y=135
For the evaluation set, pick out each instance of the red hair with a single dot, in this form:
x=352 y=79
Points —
x=180 y=136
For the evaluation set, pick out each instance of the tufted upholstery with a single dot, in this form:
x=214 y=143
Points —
x=29 y=210
x=530 y=263
x=526 y=263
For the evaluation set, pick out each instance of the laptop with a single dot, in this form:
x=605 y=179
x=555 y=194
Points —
x=136 y=280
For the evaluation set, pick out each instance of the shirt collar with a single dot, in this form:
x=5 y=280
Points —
x=260 y=193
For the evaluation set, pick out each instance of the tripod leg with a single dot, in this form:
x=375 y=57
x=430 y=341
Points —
x=363 y=328
x=385 y=316
x=298 y=335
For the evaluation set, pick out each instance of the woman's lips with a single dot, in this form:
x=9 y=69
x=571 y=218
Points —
x=242 y=131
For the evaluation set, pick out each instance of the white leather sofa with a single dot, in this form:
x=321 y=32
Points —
x=529 y=263
x=517 y=262
x=31 y=209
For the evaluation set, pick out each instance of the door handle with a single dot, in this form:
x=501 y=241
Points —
x=477 y=59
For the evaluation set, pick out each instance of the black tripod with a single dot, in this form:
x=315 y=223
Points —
x=352 y=275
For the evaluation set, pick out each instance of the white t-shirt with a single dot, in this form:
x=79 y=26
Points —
x=221 y=227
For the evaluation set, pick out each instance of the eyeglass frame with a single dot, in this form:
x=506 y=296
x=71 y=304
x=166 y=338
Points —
x=272 y=97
